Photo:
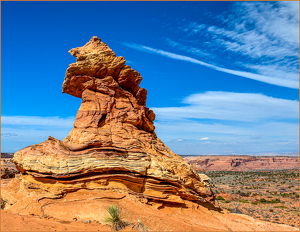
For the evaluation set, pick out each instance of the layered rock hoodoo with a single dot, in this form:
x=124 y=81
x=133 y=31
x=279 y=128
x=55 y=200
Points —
x=112 y=147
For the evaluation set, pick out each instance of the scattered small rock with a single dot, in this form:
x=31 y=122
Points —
x=87 y=221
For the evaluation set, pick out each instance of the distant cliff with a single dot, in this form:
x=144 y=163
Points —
x=242 y=163
x=7 y=155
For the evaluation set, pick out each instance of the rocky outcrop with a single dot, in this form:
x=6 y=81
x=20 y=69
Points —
x=8 y=169
x=242 y=163
x=113 y=145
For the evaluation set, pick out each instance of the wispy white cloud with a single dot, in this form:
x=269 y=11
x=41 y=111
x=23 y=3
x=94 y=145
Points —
x=24 y=136
x=261 y=28
x=38 y=121
x=192 y=129
x=226 y=139
x=18 y=132
x=267 y=79
x=231 y=106
x=275 y=70
x=194 y=28
x=229 y=122
x=279 y=21
x=190 y=49
x=8 y=134
x=262 y=36
x=204 y=138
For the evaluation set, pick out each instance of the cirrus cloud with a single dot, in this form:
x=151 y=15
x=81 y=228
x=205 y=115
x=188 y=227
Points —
x=267 y=79
x=231 y=106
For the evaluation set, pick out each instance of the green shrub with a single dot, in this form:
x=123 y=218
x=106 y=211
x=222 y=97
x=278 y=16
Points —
x=263 y=200
x=244 y=201
x=284 y=194
x=227 y=201
x=275 y=201
x=281 y=206
x=220 y=198
x=116 y=220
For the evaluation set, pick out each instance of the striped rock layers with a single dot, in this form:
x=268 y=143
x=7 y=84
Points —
x=112 y=146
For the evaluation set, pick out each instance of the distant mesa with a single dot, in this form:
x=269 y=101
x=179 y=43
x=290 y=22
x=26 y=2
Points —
x=112 y=148
x=242 y=163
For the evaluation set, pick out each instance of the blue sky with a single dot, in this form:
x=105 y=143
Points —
x=222 y=77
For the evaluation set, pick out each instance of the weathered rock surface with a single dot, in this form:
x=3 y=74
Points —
x=112 y=145
x=8 y=169
x=241 y=163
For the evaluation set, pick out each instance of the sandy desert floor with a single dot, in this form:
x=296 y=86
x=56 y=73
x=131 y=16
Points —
x=253 y=192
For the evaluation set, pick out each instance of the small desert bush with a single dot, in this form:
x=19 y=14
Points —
x=243 y=201
x=116 y=219
x=285 y=194
x=263 y=200
x=220 y=198
x=281 y=206
x=275 y=201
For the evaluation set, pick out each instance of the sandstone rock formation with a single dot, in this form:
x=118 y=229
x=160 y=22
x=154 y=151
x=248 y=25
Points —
x=242 y=163
x=112 y=147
